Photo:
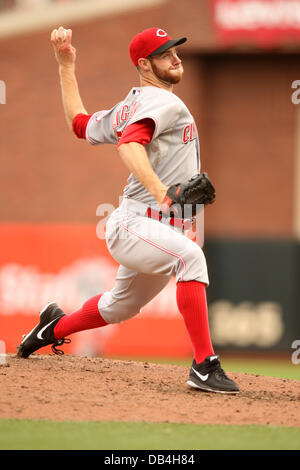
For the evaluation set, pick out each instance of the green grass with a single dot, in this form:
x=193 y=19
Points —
x=271 y=368
x=50 y=435
x=281 y=368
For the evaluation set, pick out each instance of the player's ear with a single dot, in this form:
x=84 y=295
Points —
x=144 y=65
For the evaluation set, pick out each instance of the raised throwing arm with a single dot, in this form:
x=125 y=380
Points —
x=65 y=55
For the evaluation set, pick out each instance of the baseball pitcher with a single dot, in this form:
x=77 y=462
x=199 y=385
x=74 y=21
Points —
x=156 y=138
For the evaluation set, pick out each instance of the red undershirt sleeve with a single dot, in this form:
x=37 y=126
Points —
x=80 y=122
x=141 y=132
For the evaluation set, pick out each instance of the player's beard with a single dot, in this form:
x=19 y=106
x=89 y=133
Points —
x=167 y=75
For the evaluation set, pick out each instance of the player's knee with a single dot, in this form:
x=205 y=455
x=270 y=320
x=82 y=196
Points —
x=194 y=266
x=121 y=312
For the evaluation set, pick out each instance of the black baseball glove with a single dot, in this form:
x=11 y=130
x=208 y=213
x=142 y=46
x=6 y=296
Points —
x=183 y=198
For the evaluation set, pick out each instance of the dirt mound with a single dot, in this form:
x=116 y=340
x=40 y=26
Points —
x=83 y=388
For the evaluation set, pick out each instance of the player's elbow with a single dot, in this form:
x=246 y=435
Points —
x=126 y=147
x=121 y=147
x=122 y=150
x=129 y=153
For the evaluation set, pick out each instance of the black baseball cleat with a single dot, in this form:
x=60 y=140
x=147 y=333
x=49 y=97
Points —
x=43 y=335
x=210 y=377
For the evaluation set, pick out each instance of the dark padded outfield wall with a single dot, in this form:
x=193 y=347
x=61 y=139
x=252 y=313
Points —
x=254 y=295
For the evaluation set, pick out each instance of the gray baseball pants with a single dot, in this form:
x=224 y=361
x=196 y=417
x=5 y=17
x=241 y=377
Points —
x=149 y=253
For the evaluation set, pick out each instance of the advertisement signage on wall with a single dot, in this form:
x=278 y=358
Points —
x=264 y=22
x=68 y=264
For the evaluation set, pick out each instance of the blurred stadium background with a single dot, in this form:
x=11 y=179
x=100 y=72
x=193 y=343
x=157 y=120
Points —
x=241 y=60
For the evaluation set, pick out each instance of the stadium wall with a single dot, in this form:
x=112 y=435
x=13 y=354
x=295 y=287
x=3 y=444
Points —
x=53 y=183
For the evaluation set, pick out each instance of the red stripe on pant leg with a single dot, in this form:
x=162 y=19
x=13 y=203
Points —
x=86 y=318
x=192 y=304
x=157 y=246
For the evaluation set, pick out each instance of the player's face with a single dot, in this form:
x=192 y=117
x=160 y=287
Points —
x=167 y=66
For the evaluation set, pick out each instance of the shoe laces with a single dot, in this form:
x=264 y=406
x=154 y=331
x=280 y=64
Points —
x=215 y=366
x=59 y=342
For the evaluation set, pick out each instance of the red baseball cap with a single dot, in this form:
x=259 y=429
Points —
x=150 y=42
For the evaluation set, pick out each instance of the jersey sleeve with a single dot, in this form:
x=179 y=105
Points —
x=140 y=132
x=99 y=129
x=163 y=111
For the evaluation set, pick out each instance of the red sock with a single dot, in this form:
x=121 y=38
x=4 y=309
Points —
x=192 y=304
x=86 y=318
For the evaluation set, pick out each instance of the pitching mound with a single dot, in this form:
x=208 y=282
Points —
x=81 y=389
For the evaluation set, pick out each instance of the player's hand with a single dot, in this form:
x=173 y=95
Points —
x=65 y=53
x=197 y=191
x=162 y=194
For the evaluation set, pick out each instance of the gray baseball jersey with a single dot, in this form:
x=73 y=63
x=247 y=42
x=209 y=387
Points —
x=149 y=252
x=174 y=150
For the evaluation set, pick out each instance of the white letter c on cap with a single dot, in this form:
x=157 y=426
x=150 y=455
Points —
x=161 y=33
